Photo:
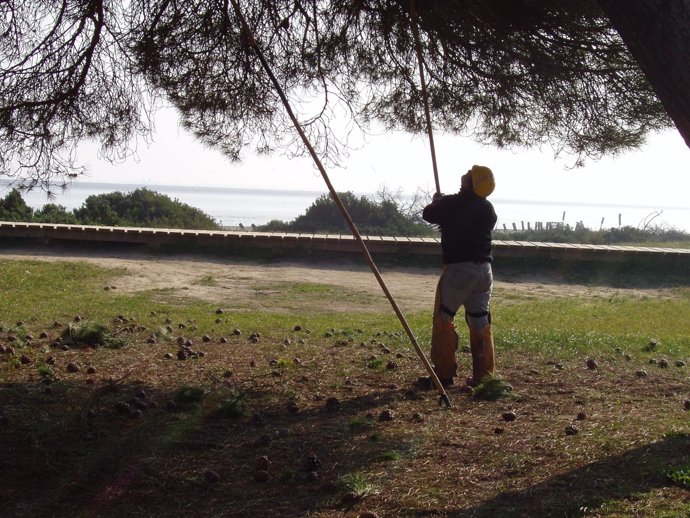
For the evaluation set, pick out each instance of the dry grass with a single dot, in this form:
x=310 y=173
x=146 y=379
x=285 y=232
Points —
x=72 y=446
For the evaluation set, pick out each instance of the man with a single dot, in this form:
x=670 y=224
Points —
x=466 y=220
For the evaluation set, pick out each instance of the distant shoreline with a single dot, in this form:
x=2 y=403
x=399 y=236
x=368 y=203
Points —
x=230 y=206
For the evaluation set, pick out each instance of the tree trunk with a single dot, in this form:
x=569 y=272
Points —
x=657 y=33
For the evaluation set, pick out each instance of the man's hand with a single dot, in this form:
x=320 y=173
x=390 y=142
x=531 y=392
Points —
x=437 y=196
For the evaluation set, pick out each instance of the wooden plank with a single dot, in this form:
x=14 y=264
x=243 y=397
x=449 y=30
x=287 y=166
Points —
x=334 y=242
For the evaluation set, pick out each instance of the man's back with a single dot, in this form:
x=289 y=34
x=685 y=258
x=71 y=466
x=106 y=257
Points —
x=466 y=221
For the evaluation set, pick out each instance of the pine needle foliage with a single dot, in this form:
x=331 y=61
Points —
x=521 y=73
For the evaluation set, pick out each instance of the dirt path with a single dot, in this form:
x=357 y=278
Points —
x=241 y=283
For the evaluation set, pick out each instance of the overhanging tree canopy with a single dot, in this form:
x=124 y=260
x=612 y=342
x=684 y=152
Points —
x=507 y=72
x=657 y=32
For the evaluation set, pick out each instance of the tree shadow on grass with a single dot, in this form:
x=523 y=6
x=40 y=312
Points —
x=578 y=492
x=75 y=451
x=624 y=272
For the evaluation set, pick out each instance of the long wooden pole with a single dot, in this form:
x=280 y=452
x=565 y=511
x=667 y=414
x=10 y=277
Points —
x=425 y=96
x=350 y=223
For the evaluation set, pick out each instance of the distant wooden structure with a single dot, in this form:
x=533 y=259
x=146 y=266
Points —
x=48 y=233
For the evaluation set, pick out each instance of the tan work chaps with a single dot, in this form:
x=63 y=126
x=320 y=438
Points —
x=482 y=346
x=444 y=343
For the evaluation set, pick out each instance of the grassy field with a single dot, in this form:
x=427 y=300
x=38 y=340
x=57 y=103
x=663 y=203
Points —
x=146 y=404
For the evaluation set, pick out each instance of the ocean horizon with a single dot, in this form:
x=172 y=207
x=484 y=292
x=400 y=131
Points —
x=232 y=207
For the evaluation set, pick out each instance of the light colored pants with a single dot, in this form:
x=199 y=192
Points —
x=467 y=284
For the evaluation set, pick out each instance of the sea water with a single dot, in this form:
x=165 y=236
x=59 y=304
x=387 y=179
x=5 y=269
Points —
x=232 y=207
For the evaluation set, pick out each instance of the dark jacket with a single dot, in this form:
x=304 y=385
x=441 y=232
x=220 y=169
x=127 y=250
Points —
x=466 y=221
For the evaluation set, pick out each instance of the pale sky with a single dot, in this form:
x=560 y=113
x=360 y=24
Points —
x=658 y=174
x=628 y=189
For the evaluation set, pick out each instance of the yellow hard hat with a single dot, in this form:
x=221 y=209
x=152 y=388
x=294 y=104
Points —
x=483 y=181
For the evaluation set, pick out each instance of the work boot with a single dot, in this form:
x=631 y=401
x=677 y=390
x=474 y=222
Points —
x=444 y=344
x=426 y=383
x=482 y=346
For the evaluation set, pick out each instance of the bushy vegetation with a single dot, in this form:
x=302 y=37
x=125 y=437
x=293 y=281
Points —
x=139 y=208
x=611 y=236
x=14 y=208
x=386 y=217
x=52 y=213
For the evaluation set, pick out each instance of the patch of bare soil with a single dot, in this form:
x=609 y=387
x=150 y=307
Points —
x=244 y=283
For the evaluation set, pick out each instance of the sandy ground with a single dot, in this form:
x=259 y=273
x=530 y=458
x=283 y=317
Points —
x=241 y=283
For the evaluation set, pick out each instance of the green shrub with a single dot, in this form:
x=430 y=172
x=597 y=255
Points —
x=611 y=236
x=52 y=213
x=385 y=217
x=142 y=208
x=188 y=397
x=14 y=208
x=90 y=333
x=357 y=485
x=235 y=405
x=139 y=208
x=388 y=456
x=680 y=476
x=493 y=389
x=651 y=346
x=46 y=372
